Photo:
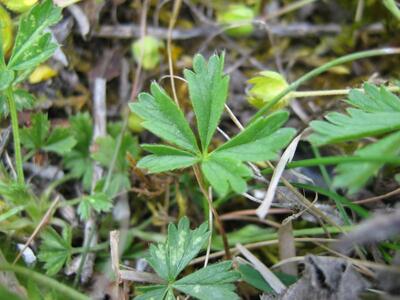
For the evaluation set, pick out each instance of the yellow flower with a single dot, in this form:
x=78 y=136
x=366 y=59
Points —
x=265 y=87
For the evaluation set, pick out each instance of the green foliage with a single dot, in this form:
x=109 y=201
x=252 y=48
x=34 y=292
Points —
x=99 y=202
x=33 y=44
x=224 y=167
x=254 y=278
x=376 y=112
x=163 y=118
x=356 y=175
x=39 y=136
x=208 y=89
x=105 y=153
x=393 y=8
x=170 y=258
x=55 y=250
x=78 y=160
x=166 y=158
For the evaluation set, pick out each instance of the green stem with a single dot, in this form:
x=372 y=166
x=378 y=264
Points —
x=46 y=281
x=15 y=128
x=325 y=93
x=324 y=172
x=341 y=60
x=98 y=247
x=333 y=160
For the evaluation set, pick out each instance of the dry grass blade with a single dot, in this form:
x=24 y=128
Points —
x=136 y=276
x=266 y=273
x=287 y=156
x=43 y=222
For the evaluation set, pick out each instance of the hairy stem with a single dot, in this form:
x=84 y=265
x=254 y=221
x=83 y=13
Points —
x=218 y=222
x=15 y=129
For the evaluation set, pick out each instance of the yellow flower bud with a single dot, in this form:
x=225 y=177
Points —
x=265 y=87
x=19 y=5
x=236 y=14
x=135 y=123
x=147 y=51
x=6 y=29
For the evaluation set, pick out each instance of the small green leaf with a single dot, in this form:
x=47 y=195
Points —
x=214 y=282
x=38 y=136
x=100 y=202
x=107 y=146
x=254 y=278
x=355 y=175
x=162 y=117
x=34 y=137
x=182 y=245
x=59 y=141
x=166 y=158
x=78 y=160
x=260 y=141
x=374 y=99
x=378 y=113
x=55 y=250
x=32 y=44
x=156 y=292
x=208 y=89
x=225 y=173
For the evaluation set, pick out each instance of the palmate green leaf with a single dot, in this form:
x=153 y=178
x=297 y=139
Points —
x=378 y=112
x=163 y=118
x=355 y=175
x=100 y=202
x=182 y=245
x=260 y=141
x=78 y=160
x=214 y=282
x=59 y=141
x=32 y=45
x=34 y=137
x=208 y=89
x=55 y=250
x=374 y=99
x=166 y=158
x=225 y=173
x=38 y=136
x=105 y=152
x=357 y=124
x=107 y=146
